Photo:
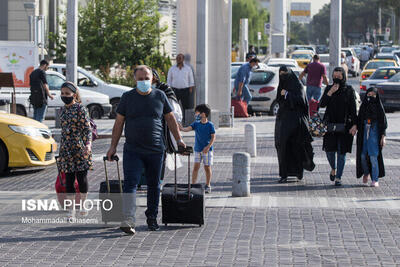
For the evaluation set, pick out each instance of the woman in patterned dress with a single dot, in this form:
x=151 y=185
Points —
x=75 y=157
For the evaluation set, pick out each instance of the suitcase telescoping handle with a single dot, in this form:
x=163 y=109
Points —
x=186 y=151
x=114 y=158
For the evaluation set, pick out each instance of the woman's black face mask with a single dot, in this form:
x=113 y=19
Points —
x=337 y=80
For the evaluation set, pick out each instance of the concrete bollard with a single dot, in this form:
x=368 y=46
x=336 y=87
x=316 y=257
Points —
x=251 y=139
x=241 y=174
x=57 y=118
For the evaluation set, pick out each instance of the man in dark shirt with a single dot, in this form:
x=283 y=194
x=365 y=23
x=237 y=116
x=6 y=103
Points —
x=39 y=91
x=142 y=110
x=316 y=72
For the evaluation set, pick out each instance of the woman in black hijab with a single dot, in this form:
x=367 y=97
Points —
x=341 y=116
x=371 y=124
x=292 y=138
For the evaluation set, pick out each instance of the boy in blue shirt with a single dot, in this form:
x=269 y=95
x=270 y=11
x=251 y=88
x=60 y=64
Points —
x=204 y=140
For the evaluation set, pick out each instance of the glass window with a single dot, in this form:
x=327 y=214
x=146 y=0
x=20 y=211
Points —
x=384 y=74
x=348 y=53
x=54 y=82
x=379 y=64
x=395 y=78
x=234 y=70
x=261 y=77
x=301 y=56
x=84 y=80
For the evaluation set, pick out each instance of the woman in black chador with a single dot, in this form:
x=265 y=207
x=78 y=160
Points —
x=292 y=138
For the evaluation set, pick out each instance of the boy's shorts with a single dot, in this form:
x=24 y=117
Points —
x=206 y=158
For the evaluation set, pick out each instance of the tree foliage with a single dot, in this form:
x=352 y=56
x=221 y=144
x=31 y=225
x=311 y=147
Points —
x=125 y=32
x=257 y=16
x=357 y=17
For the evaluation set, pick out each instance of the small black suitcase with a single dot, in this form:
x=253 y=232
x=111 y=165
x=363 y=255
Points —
x=183 y=203
x=111 y=190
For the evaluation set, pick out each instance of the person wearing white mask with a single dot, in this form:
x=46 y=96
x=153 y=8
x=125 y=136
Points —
x=242 y=80
x=142 y=110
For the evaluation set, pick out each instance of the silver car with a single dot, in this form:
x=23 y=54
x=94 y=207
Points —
x=380 y=75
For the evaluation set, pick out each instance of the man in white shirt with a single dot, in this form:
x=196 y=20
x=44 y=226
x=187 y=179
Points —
x=181 y=80
x=365 y=56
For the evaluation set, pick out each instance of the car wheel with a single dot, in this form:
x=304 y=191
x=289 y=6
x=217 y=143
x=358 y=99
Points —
x=114 y=104
x=3 y=159
x=250 y=110
x=95 y=112
x=274 y=108
x=21 y=111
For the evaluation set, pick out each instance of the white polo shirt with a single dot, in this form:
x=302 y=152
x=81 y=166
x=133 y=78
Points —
x=180 y=78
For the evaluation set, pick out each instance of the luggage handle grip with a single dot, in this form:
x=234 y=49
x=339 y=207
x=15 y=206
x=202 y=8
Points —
x=113 y=158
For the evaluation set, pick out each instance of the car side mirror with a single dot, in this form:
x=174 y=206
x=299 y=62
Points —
x=95 y=83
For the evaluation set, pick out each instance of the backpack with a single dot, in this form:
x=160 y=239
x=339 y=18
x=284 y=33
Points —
x=37 y=98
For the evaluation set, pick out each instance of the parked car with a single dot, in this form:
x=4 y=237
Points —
x=352 y=61
x=374 y=64
x=379 y=76
x=89 y=81
x=390 y=93
x=305 y=47
x=24 y=142
x=303 y=57
x=321 y=49
x=235 y=67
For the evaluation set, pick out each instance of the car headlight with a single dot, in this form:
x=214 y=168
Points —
x=30 y=131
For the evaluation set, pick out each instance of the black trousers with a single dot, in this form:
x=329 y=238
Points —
x=81 y=176
x=183 y=95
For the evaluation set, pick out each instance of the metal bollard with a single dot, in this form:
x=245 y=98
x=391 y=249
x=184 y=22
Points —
x=57 y=118
x=251 y=139
x=241 y=174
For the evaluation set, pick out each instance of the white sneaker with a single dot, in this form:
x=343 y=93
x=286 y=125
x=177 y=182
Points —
x=71 y=213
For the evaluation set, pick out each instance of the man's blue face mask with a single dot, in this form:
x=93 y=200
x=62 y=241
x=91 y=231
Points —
x=144 y=86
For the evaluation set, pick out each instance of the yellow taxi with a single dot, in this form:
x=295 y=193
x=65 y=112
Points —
x=303 y=57
x=375 y=64
x=24 y=142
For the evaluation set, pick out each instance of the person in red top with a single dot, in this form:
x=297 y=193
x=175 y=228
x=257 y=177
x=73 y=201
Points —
x=316 y=72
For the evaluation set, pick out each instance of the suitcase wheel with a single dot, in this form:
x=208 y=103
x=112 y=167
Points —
x=166 y=224
x=200 y=225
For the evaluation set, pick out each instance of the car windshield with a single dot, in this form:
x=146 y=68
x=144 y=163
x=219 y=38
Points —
x=383 y=74
x=395 y=78
x=54 y=81
x=387 y=49
x=379 y=64
x=261 y=77
x=281 y=64
x=358 y=50
x=234 y=70
x=348 y=53
x=301 y=56
x=384 y=57
x=323 y=58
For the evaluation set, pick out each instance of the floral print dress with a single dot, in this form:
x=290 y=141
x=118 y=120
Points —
x=75 y=134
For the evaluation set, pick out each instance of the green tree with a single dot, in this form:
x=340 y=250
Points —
x=299 y=33
x=126 y=32
x=257 y=16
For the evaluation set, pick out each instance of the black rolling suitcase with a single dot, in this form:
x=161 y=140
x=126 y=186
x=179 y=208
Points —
x=111 y=190
x=183 y=203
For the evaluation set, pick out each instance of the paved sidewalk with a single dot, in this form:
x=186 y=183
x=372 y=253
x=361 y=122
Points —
x=307 y=223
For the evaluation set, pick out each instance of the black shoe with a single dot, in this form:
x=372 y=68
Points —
x=338 y=182
x=300 y=177
x=332 y=177
x=152 y=225
x=283 y=180
x=128 y=230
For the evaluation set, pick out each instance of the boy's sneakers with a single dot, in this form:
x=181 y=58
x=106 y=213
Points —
x=207 y=189
x=127 y=227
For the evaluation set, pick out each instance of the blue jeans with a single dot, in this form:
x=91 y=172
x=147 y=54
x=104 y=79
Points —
x=39 y=113
x=133 y=166
x=341 y=161
x=246 y=95
x=313 y=92
x=374 y=165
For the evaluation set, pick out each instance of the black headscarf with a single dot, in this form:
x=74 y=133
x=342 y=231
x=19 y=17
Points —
x=372 y=105
x=289 y=81
x=342 y=82
x=164 y=87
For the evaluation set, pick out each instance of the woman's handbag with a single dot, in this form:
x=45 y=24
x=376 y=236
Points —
x=317 y=126
x=336 y=128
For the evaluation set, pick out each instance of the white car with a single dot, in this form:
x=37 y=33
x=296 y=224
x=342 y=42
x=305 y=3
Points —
x=279 y=62
x=89 y=81
x=353 y=63
x=98 y=104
